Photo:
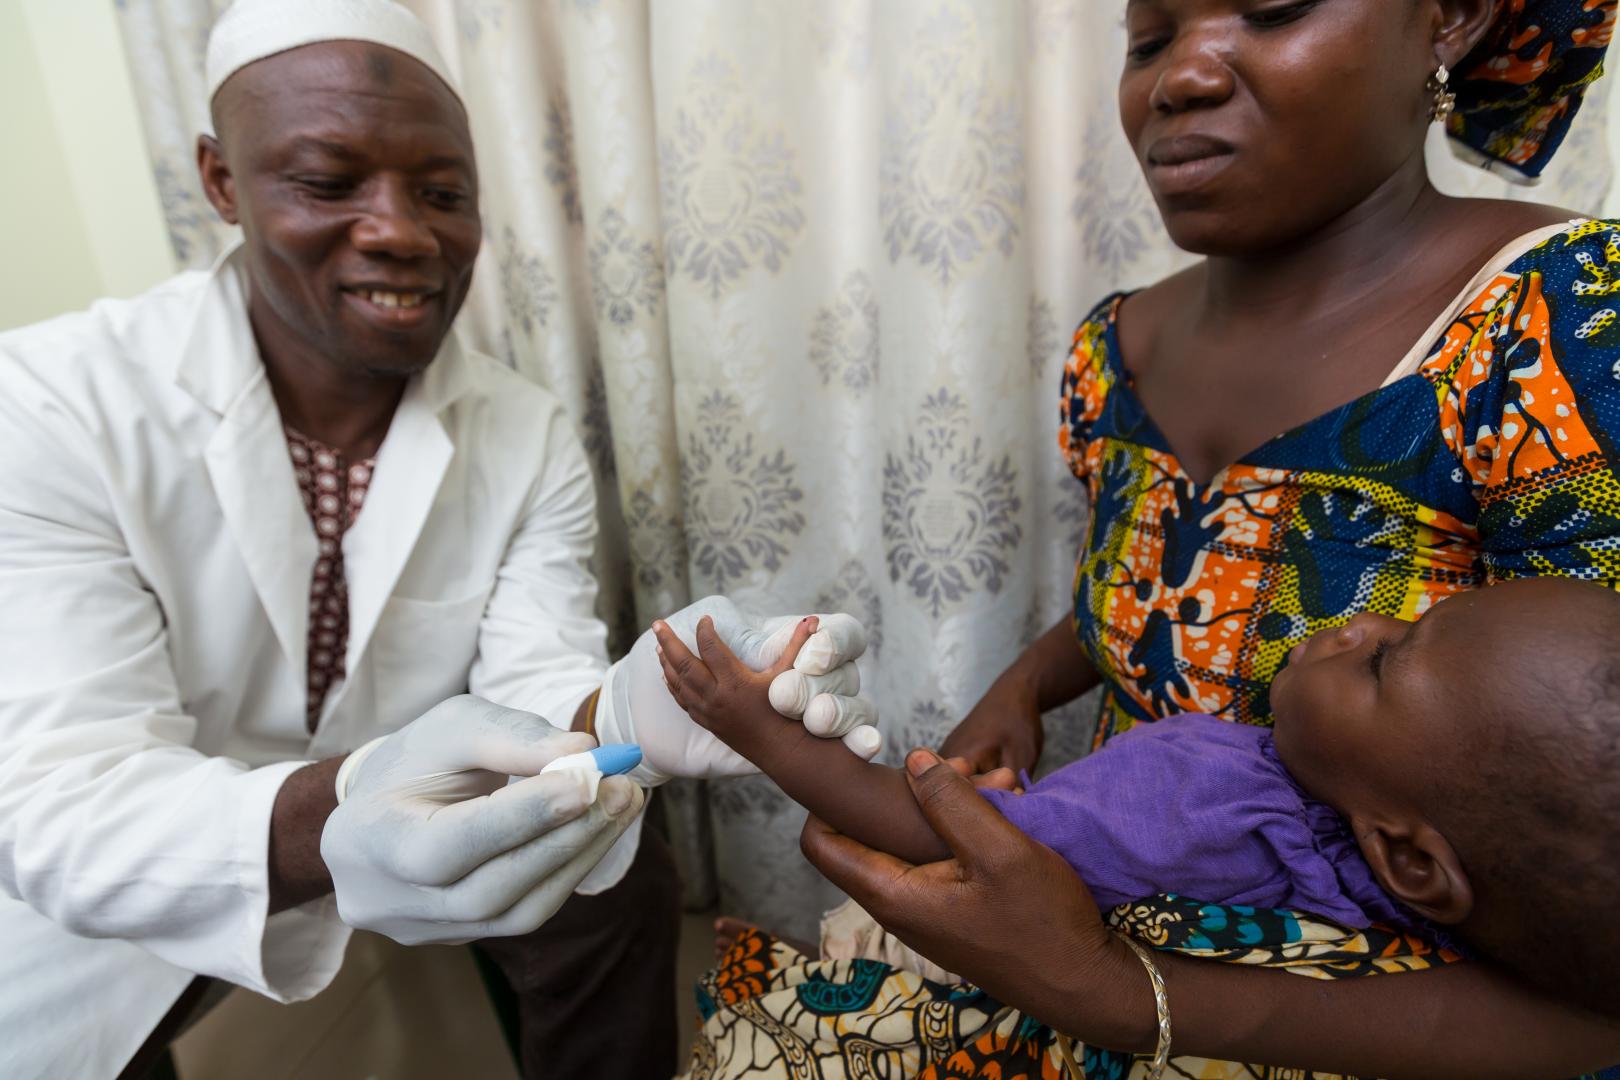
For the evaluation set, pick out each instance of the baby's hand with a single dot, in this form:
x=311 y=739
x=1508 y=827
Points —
x=716 y=689
x=1002 y=779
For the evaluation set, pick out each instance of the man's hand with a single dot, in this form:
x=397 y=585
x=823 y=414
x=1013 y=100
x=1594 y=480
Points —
x=635 y=705
x=431 y=844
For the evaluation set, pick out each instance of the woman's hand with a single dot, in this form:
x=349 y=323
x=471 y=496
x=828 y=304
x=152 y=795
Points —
x=1003 y=731
x=1009 y=915
x=1006 y=913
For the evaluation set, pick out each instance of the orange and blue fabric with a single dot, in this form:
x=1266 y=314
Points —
x=768 y=1012
x=1495 y=459
x=1520 y=88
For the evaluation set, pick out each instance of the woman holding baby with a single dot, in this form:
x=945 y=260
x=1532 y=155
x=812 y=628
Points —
x=1367 y=397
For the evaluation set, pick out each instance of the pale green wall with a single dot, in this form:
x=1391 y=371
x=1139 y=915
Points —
x=79 y=215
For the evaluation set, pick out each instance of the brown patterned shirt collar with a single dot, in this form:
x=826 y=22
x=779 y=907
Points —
x=334 y=490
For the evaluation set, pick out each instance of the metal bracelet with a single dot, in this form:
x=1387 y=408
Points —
x=1161 y=1002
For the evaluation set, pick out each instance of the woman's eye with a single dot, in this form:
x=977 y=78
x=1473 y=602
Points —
x=1272 y=17
x=1146 y=50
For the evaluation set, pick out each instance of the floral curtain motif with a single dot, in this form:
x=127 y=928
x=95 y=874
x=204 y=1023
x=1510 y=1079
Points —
x=165 y=44
x=804 y=274
x=950 y=512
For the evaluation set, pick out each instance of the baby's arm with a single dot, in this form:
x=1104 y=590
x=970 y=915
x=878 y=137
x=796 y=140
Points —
x=871 y=803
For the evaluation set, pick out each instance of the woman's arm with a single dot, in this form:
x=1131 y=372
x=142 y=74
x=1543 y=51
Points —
x=867 y=801
x=1004 y=728
x=1000 y=914
x=1463 y=1020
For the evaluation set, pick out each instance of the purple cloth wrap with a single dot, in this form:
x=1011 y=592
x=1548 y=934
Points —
x=1202 y=808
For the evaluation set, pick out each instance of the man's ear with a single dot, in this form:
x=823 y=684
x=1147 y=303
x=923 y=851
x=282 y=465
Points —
x=1417 y=866
x=217 y=182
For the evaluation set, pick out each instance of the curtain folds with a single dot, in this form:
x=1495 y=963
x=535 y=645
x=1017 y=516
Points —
x=804 y=274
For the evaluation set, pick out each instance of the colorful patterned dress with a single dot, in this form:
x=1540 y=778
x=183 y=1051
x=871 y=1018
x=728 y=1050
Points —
x=1494 y=459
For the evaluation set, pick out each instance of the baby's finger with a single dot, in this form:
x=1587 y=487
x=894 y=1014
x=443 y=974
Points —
x=801 y=634
x=672 y=681
x=681 y=668
x=1002 y=779
x=839 y=639
x=713 y=650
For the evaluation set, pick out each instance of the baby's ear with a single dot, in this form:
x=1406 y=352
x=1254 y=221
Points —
x=1415 y=865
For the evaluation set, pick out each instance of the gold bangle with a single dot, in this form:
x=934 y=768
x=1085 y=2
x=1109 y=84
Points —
x=1071 y=1067
x=1161 y=1002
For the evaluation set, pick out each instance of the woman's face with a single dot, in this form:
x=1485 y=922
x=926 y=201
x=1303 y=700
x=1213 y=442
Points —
x=1258 y=121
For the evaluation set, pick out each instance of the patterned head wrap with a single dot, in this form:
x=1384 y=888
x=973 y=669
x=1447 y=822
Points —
x=1520 y=88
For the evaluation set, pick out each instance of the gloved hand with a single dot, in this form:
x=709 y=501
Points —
x=636 y=706
x=430 y=844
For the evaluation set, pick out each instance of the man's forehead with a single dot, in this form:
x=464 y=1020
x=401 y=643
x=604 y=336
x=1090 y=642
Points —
x=331 y=93
x=342 y=67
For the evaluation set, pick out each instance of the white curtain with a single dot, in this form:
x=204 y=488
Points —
x=804 y=272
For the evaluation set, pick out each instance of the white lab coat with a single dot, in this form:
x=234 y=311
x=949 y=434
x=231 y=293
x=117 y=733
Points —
x=155 y=562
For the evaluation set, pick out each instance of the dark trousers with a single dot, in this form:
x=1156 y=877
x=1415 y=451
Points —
x=596 y=983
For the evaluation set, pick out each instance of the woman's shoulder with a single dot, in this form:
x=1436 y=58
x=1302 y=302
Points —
x=1524 y=260
x=1526 y=373
x=1516 y=238
x=1137 y=312
x=1559 y=278
x=1575 y=233
x=1088 y=351
x=1102 y=315
x=1126 y=315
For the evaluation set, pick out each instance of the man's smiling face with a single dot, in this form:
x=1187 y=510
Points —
x=350 y=168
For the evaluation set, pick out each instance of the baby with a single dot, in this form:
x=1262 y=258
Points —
x=1457 y=772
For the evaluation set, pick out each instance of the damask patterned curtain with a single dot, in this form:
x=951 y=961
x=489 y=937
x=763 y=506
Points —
x=804 y=272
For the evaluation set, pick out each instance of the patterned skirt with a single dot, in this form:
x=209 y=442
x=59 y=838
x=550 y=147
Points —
x=769 y=1012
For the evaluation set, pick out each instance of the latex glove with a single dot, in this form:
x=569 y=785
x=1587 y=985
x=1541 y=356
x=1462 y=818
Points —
x=429 y=842
x=823 y=687
x=636 y=706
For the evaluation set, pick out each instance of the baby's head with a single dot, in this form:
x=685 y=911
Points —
x=1476 y=754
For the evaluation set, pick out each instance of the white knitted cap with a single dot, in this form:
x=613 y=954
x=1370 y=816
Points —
x=254 y=29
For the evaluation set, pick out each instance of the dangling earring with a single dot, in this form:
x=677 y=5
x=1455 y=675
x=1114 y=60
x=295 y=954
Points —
x=1444 y=100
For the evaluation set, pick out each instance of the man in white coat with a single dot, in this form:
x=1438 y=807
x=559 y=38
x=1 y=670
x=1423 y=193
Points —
x=259 y=528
